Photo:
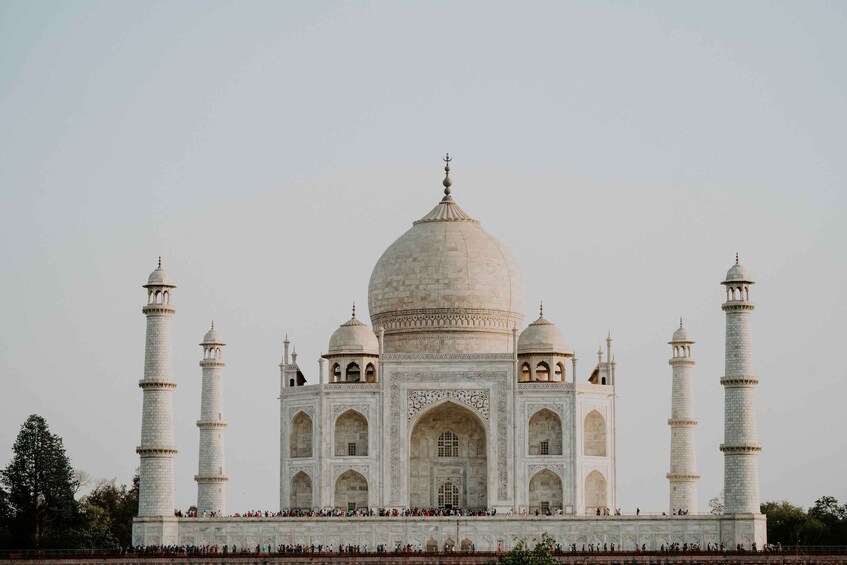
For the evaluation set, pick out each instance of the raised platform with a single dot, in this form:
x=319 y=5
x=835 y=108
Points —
x=484 y=533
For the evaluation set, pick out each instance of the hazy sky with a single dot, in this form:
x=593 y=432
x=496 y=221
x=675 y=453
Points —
x=271 y=151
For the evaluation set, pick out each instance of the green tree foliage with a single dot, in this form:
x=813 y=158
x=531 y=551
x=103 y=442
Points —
x=110 y=509
x=541 y=554
x=825 y=523
x=833 y=517
x=41 y=485
x=791 y=525
x=5 y=519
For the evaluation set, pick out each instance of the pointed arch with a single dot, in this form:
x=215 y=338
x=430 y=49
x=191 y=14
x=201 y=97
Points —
x=370 y=373
x=351 y=491
x=559 y=374
x=542 y=371
x=594 y=434
x=526 y=373
x=351 y=435
x=301 y=491
x=336 y=373
x=353 y=374
x=467 y=465
x=545 y=433
x=595 y=492
x=545 y=492
x=300 y=440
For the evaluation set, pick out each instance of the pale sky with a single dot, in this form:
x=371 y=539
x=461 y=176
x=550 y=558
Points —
x=271 y=151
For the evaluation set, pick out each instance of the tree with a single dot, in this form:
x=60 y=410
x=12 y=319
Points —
x=834 y=517
x=113 y=508
x=5 y=519
x=41 y=486
x=791 y=525
x=716 y=504
x=522 y=555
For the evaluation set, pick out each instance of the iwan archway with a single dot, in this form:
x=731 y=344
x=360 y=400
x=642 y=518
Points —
x=448 y=462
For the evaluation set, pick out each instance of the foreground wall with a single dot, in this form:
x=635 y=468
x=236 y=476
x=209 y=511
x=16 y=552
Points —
x=485 y=533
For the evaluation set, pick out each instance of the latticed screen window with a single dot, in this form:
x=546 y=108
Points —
x=351 y=506
x=351 y=448
x=448 y=445
x=448 y=495
x=545 y=507
x=545 y=448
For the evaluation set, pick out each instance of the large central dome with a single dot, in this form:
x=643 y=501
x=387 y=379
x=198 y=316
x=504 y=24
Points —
x=446 y=286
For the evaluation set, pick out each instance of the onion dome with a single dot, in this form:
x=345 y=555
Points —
x=542 y=336
x=212 y=337
x=353 y=338
x=680 y=335
x=159 y=277
x=444 y=283
x=737 y=273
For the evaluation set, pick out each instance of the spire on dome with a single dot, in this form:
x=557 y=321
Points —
x=354 y=308
x=447 y=182
x=680 y=322
x=736 y=257
x=541 y=309
x=160 y=262
x=446 y=210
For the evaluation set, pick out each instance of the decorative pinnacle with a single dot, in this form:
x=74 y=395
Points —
x=354 y=308
x=541 y=309
x=447 y=182
x=736 y=257
x=680 y=322
x=213 y=324
x=160 y=262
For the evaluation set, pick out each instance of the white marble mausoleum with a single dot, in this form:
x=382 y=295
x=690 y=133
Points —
x=448 y=400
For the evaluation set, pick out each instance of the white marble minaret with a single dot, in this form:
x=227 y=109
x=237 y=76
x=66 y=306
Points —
x=683 y=475
x=157 y=451
x=740 y=447
x=211 y=481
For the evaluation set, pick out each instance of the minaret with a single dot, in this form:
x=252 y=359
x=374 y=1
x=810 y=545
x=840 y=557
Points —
x=683 y=475
x=157 y=451
x=740 y=447
x=211 y=481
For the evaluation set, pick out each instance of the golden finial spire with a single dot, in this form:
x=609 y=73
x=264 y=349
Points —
x=447 y=182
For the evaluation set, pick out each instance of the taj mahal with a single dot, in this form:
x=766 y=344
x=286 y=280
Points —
x=449 y=401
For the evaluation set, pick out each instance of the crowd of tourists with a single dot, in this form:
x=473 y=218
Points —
x=338 y=512
x=350 y=549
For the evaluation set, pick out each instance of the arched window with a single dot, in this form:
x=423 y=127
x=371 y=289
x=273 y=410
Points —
x=595 y=493
x=525 y=373
x=542 y=372
x=545 y=492
x=351 y=435
x=354 y=374
x=301 y=491
x=559 y=375
x=448 y=445
x=336 y=373
x=301 y=435
x=370 y=373
x=594 y=434
x=545 y=433
x=448 y=495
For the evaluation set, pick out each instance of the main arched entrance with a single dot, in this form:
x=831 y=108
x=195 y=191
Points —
x=448 y=459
